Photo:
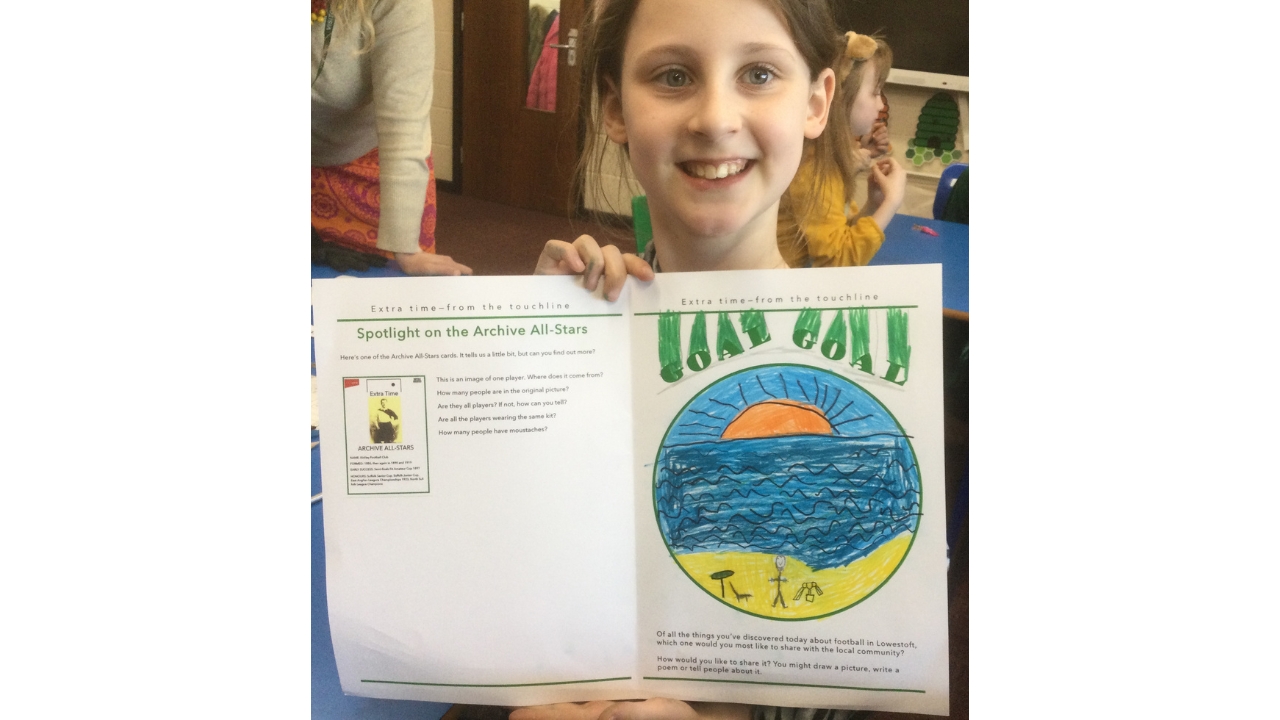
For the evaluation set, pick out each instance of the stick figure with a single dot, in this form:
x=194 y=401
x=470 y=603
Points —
x=779 y=561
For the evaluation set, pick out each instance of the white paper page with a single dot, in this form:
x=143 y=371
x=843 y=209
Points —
x=479 y=536
x=789 y=463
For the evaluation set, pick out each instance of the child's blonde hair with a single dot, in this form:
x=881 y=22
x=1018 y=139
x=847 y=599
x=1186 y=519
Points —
x=604 y=32
x=858 y=51
x=351 y=14
x=802 y=204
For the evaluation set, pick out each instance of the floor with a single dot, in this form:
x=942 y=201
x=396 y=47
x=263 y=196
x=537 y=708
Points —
x=496 y=239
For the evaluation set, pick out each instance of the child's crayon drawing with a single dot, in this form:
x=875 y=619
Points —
x=793 y=481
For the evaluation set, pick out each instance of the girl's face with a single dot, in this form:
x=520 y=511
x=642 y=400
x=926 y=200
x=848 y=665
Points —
x=868 y=104
x=715 y=103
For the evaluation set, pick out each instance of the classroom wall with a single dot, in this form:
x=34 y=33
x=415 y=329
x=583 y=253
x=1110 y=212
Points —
x=618 y=184
x=442 y=96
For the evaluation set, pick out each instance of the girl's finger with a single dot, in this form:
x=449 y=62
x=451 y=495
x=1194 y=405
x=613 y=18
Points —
x=559 y=258
x=614 y=270
x=590 y=253
x=637 y=267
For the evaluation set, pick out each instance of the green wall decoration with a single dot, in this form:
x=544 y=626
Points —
x=936 y=132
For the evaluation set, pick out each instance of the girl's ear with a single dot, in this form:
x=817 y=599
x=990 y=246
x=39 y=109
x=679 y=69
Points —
x=821 y=92
x=614 y=125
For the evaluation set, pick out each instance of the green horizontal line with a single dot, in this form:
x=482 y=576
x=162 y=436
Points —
x=499 y=685
x=759 y=682
x=846 y=307
x=478 y=317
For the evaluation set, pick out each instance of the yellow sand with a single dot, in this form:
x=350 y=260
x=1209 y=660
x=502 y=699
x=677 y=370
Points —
x=752 y=572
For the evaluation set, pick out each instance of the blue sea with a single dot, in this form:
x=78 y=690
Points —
x=827 y=500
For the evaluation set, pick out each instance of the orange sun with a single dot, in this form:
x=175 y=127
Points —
x=771 y=418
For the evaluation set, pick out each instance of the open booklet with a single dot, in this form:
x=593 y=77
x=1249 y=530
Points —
x=723 y=486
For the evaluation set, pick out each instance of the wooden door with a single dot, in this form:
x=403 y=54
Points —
x=513 y=154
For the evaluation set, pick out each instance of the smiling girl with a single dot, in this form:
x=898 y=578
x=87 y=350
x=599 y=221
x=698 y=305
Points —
x=713 y=104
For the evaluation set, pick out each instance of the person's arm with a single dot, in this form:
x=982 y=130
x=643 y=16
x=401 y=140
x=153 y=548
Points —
x=585 y=257
x=835 y=241
x=886 y=189
x=403 y=66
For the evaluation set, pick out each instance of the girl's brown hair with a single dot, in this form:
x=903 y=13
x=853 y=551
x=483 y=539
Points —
x=810 y=25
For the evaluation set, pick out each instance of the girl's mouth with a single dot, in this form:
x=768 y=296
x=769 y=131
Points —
x=714 y=171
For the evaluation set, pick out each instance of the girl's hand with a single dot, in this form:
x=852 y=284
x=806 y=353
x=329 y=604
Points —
x=425 y=263
x=887 y=185
x=585 y=257
x=655 y=709
x=877 y=141
x=886 y=189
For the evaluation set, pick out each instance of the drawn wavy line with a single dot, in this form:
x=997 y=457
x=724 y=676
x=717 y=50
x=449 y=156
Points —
x=745 y=401
x=829 y=466
x=744 y=494
x=713 y=417
x=678 y=476
x=689 y=433
x=856 y=419
x=836 y=508
x=878 y=434
x=698 y=424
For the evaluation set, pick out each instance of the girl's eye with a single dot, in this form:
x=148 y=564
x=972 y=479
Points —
x=674 y=78
x=759 y=75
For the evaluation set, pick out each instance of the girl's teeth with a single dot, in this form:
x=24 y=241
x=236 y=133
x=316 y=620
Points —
x=714 y=172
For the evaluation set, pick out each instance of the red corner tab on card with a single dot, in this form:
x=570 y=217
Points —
x=350 y=382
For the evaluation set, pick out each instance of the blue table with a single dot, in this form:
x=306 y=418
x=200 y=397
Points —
x=905 y=246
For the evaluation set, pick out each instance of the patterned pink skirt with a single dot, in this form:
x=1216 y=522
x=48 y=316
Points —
x=345 y=205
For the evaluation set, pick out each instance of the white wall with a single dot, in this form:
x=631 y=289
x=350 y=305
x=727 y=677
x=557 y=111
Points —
x=905 y=102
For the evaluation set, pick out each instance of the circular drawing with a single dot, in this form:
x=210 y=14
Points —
x=787 y=492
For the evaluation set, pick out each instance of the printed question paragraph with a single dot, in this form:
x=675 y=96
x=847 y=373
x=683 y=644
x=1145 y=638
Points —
x=732 y=654
x=513 y=403
x=467 y=355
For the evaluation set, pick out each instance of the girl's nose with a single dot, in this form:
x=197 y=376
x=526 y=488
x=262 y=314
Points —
x=717 y=113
